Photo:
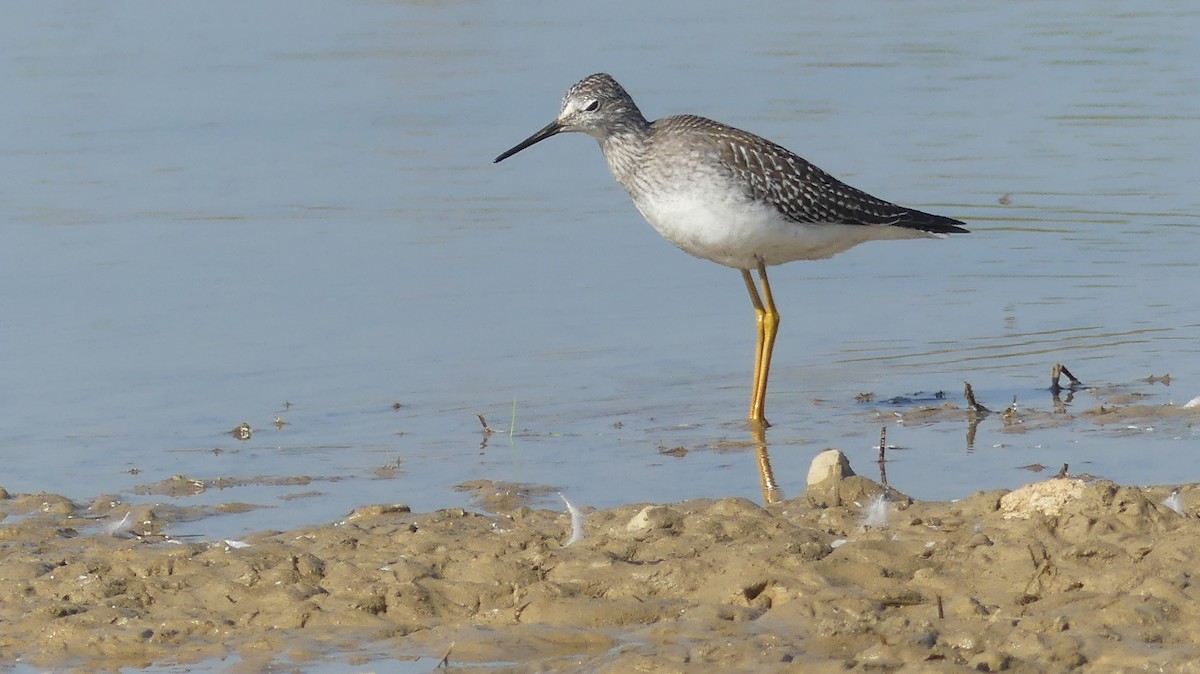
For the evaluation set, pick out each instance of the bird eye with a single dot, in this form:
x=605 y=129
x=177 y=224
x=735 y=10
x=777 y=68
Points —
x=593 y=106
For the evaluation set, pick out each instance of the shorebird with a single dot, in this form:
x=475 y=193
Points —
x=729 y=196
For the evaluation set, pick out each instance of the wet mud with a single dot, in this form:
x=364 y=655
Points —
x=1062 y=575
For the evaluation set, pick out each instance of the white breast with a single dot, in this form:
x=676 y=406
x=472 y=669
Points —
x=734 y=231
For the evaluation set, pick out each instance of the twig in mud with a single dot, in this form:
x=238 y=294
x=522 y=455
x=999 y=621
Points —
x=487 y=431
x=1060 y=407
x=972 y=428
x=242 y=431
x=974 y=405
x=1062 y=473
x=941 y=609
x=1043 y=568
x=444 y=663
x=1010 y=412
x=1074 y=382
x=1057 y=371
x=517 y=611
x=882 y=456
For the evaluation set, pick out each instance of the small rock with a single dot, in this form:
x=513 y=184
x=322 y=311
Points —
x=979 y=539
x=825 y=476
x=1047 y=498
x=990 y=661
x=829 y=464
x=654 y=517
x=377 y=510
x=924 y=639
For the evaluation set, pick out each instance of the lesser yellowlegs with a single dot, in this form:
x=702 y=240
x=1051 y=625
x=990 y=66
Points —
x=729 y=196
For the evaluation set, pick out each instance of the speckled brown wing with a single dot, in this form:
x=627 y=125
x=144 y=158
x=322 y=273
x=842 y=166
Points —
x=800 y=190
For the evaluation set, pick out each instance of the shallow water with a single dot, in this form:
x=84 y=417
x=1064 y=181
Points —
x=295 y=214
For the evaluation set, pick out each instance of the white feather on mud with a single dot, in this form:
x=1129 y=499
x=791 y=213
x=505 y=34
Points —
x=576 y=522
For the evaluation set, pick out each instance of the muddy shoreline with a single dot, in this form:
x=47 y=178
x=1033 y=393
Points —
x=1090 y=576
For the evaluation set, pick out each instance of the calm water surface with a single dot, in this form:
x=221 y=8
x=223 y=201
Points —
x=225 y=213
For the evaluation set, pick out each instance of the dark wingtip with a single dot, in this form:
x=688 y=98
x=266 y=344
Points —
x=951 y=227
x=934 y=224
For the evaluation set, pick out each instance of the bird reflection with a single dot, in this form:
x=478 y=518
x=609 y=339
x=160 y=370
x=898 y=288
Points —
x=771 y=492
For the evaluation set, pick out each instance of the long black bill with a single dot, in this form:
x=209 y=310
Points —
x=549 y=130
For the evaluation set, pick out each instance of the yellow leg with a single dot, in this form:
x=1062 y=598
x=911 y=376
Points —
x=770 y=329
x=760 y=312
x=767 y=327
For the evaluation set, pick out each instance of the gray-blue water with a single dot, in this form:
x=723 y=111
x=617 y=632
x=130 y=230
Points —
x=211 y=210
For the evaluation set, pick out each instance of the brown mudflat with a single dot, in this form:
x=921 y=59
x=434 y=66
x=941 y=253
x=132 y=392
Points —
x=1079 y=575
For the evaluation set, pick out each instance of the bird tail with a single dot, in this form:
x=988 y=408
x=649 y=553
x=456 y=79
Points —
x=934 y=224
